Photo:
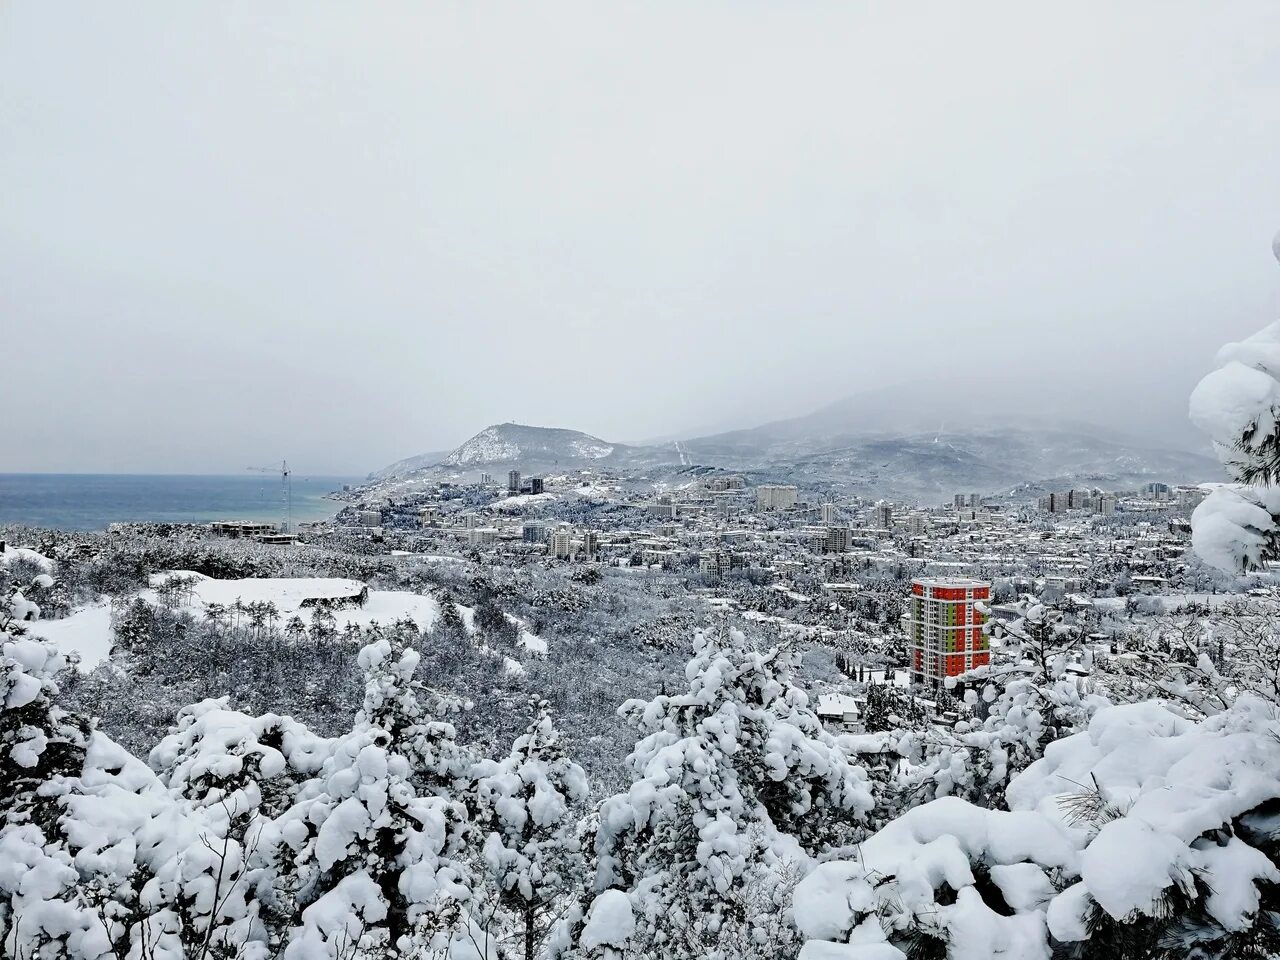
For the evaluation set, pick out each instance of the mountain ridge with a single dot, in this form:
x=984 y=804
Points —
x=852 y=444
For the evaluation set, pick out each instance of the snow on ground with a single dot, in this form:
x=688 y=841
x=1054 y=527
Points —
x=385 y=606
x=468 y=615
x=86 y=632
x=287 y=593
x=523 y=500
x=592 y=491
x=10 y=554
x=527 y=641
x=533 y=643
x=426 y=557
x=899 y=678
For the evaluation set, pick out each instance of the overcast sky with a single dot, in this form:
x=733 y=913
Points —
x=345 y=234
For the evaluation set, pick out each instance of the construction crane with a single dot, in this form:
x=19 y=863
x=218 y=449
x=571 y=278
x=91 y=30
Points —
x=286 y=492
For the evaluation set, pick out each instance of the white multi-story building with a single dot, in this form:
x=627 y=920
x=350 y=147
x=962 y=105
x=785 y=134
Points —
x=776 y=497
x=713 y=563
x=828 y=513
x=881 y=517
x=560 y=544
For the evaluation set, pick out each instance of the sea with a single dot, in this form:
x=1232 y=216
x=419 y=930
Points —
x=91 y=501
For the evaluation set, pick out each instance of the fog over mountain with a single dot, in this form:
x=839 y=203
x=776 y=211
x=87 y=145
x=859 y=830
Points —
x=887 y=442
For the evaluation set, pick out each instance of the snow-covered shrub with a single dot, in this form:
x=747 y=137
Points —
x=39 y=742
x=735 y=781
x=1147 y=836
x=531 y=856
x=1238 y=405
x=38 y=739
x=91 y=842
x=372 y=851
x=230 y=774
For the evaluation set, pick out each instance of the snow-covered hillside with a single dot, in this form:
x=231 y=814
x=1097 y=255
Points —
x=514 y=442
x=864 y=460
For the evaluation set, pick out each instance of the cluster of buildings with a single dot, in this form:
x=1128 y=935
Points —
x=813 y=563
x=1153 y=497
x=902 y=588
x=719 y=526
x=251 y=530
x=1084 y=500
x=515 y=486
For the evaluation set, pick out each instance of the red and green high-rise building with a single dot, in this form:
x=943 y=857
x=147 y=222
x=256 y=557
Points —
x=944 y=628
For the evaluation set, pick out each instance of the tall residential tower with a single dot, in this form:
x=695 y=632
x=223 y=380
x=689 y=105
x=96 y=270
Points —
x=944 y=628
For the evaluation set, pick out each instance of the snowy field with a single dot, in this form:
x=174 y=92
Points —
x=521 y=501
x=288 y=593
x=87 y=631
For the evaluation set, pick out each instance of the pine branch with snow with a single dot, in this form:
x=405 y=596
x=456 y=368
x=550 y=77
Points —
x=1146 y=836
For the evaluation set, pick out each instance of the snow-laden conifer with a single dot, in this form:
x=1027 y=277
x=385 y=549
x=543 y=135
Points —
x=736 y=783
x=526 y=805
x=376 y=839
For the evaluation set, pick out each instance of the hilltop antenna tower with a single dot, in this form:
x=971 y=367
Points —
x=286 y=492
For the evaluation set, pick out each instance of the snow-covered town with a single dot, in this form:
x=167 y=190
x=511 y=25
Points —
x=741 y=716
x=639 y=482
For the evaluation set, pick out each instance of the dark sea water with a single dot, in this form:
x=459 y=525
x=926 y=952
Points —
x=90 y=501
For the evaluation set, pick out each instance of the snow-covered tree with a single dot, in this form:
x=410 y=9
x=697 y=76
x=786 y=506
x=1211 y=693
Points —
x=1237 y=527
x=531 y=856
x=1146 y=836
x=735 y=783
x=1204 y=660
x=377 y=839
x=230 y=774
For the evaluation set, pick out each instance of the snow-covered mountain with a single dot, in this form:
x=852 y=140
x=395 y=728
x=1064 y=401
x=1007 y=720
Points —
x=517 y=443
x=409 y=465
x=851 y=444
x=931 y=466
x=524 y=447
